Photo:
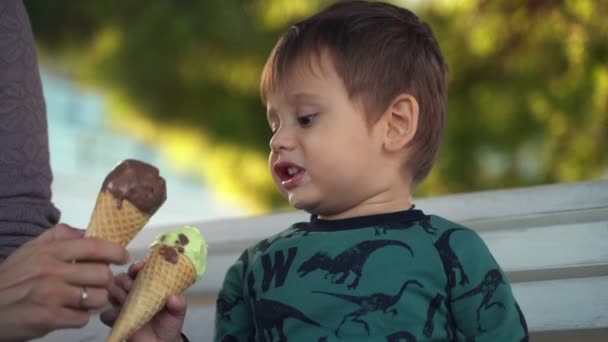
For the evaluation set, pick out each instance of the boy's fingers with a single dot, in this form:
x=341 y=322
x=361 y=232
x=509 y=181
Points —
x=136 y=267
x=171 y=318
x=109 y=316
x=119 y=289
x=124 y=281
x=176 y=305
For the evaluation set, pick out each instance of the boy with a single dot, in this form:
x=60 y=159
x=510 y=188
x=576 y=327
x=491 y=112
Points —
x=356 y=100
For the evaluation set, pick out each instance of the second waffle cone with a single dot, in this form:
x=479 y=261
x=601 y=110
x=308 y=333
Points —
x=154 y=284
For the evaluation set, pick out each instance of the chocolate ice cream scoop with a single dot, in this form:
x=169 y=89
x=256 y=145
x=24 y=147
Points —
x=137 y=182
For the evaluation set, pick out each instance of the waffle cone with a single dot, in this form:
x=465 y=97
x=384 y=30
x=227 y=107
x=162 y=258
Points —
x=109 y=222
x=154 y=284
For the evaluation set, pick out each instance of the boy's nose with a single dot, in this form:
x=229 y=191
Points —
x=282 y=140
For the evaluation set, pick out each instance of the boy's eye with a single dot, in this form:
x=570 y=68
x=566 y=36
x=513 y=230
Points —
x=306 y=120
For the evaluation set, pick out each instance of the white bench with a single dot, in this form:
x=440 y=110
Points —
x=552 y=241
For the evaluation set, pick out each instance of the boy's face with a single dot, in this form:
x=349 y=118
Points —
x=324 y=156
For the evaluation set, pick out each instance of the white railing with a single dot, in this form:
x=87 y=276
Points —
x=552 y=241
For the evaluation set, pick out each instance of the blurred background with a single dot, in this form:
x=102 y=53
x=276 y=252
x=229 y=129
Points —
x=175 y=83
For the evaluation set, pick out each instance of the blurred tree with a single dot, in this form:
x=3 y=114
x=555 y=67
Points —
x=528 y=97
x=528 y=84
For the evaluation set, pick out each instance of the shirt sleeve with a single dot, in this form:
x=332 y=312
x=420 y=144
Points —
x=482 y=302
x=25 y=174
x=233 y=317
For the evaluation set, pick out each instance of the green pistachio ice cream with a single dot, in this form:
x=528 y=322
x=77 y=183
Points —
x=188 y=241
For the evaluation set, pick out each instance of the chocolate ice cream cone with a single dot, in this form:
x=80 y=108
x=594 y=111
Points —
x=129 y=196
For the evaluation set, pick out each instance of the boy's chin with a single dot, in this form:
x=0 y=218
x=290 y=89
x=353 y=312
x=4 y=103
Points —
x=302 y=204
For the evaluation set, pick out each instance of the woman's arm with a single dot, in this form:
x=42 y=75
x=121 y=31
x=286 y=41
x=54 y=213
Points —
x=26 y=209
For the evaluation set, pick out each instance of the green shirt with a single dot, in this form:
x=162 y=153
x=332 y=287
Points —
x=401 y=276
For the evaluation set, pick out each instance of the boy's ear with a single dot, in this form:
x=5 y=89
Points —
x=401 y=122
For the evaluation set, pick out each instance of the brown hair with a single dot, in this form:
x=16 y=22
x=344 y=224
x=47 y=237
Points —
x=380 y=51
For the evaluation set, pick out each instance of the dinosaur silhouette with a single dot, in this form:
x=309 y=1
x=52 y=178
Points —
x=430 y=314
x=374 y=302
x=522 y=321
x=244 y=259
x=425 y=224
x=270 y=314
x=351 y=260
x=449 y=259
x=401 y=336
x=261 y=247
x=487 y=287
x=223 y=307
x=300 y=228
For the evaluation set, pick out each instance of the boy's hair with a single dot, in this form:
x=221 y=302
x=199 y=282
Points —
x=380 y=51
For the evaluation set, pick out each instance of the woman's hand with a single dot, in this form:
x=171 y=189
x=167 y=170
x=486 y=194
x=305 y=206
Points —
x=166 y=326
x=41 y=287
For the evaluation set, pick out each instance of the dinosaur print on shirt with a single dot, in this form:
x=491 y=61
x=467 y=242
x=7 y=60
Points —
x=349 y=261
x=486 y=289
x=271 y=315
x=450 y=259
x=374 y=302
x=430 y=315
x=223 y=307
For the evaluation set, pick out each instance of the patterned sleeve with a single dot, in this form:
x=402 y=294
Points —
x=483 y=305
x=25 y=174
x=233 y=317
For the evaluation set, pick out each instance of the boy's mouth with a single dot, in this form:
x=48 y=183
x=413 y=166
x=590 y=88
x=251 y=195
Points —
x=289 y=174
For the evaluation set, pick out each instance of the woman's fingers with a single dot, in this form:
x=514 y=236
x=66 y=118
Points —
x=39 y=310
x=87 y=274
x=41 y=320
x=91 y=249
x=88 y=298
x=55 y=292
x=58 y=233
x=67 y=244
x=65 y=318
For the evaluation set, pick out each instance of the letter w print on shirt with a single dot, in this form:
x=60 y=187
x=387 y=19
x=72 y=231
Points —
x=279 y=269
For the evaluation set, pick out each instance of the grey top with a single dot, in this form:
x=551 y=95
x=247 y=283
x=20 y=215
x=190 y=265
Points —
x=26 y=209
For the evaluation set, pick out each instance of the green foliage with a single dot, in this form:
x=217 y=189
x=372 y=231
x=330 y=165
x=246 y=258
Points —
x=528 y=92
x=528 y=79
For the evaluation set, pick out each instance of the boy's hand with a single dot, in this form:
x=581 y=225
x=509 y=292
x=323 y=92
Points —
x=166 y=326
